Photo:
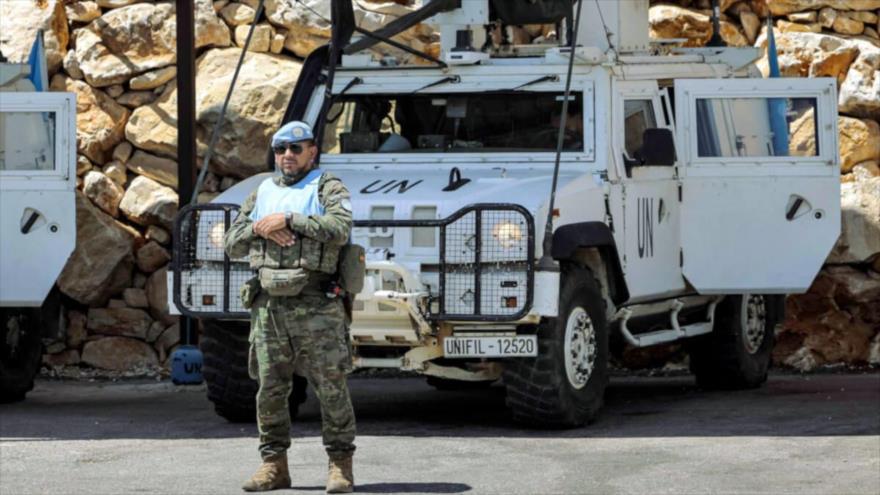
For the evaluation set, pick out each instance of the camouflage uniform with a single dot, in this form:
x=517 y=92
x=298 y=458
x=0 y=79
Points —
x=306 y=333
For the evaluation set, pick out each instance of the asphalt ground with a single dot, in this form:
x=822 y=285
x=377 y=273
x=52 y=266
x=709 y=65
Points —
x=816 y=434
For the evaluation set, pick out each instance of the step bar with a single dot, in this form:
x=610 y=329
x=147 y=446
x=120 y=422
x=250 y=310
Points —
x=676 y=332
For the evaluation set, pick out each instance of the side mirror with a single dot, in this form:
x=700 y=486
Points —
x=658 y=148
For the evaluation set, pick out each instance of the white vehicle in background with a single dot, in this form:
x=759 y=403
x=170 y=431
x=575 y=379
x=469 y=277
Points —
x=692 y=195
x=37 y=221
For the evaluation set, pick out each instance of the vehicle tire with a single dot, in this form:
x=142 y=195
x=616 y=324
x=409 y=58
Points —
x=224 y=345
x=736 y=354
x=564 y=385
x=21 y=351
x=446 y=384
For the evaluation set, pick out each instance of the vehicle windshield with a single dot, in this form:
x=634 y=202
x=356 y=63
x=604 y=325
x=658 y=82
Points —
x=456 y=122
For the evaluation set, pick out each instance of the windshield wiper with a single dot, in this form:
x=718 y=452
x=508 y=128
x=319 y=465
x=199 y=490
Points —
x=447 y=79
x=354 y=82
x=550 y=78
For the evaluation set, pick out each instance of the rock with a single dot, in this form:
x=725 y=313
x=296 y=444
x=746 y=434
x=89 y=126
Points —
x=206 y=197
x=127 y=41
x=262 y=93
x=115 y=91
x=54 y=347
x=846 y=25
x=219 y=4
x=139 y=281
x=860 y=230
x=135 y=298
x=71 y=66
x=261 y=41
x=83 y=165
x=153 y=127
x=227 y=182
x=874 y=351
x=210 y=29
x=155 y=331
x=76 y=329
x=157 y=234
x=804 y=17
x=116 y=304
x=859 y=141
x=121 y=322
x=826 y=17
x=169 y=338
x=116 y=172
x=100 y=121
x=136 y=236
x=834 y=64
x=115 y=4
x=103 y=191
x=237 y=14
x=118 y=354
x=866 y=170
x=82 y=11
x=864 y=16
x=162 y=170
x=803 y=135
x=122 y=152
x=670 y=21
x=794 y=27
x=157 y=293
x=102 y=255
x=860 y=91
x=785 y=7
x=69 y=357
x=277 y=44
x=211 y=183
x=869 y=31
x=153 y=79
x=146 y=202
x=134 y=99
x=307 y=28
x=21 y=20
x=151 y=257
x=751 y=25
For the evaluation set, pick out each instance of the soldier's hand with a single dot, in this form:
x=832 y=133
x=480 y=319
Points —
x=270 y=223
x=284 y=237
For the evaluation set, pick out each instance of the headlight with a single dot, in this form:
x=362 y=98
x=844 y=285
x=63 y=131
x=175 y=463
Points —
x=216 y=235
x=508 y=234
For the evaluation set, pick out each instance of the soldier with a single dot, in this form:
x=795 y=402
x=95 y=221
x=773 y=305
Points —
x=293 y=227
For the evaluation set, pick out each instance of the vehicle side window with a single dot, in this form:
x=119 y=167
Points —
x=638 y=115
x=27 y=141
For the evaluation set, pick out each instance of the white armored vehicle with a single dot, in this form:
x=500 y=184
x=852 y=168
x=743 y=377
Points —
x=37 y=220
x=683 y=198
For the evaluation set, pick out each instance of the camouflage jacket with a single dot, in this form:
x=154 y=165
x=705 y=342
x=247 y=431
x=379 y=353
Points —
x=332 y=228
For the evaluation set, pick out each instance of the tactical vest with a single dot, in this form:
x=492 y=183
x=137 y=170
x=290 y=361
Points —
x=307 y=253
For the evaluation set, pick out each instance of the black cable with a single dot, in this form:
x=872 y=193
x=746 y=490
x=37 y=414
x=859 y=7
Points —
x=216 y=132
x=546 y=262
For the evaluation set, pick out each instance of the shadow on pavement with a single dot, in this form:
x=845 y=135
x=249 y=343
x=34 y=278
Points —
x=816 y=405
x=399 y=488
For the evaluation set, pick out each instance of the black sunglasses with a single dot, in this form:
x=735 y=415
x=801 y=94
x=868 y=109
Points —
x=280 y=149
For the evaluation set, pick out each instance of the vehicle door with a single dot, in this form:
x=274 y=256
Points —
x=37 y=183
x=760 y=182
x=646 y=191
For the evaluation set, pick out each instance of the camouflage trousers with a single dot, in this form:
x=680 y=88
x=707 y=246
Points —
x=303 y=335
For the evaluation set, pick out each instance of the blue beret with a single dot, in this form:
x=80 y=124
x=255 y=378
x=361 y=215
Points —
x=293 y=132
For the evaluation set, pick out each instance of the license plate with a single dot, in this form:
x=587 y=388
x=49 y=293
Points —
x=466 y=347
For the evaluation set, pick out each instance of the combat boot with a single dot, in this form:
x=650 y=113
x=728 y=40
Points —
x=340 y=478
x=271 y=475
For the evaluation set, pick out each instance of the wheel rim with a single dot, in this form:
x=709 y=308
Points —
x=580 y=348
x=754 y=322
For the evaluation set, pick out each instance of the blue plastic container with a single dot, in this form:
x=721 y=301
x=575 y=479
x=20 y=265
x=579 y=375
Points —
x=186 y=365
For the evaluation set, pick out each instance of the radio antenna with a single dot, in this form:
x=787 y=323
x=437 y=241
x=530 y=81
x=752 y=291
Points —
x=546 y=262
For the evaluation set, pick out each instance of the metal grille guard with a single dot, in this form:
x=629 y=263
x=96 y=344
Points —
x=486 y=269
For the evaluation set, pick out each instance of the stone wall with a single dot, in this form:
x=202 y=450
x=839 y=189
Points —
x=118 y=56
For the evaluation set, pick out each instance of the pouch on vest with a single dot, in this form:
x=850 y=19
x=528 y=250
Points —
x=352 y=268
x=248 y=292
x=283 y=282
